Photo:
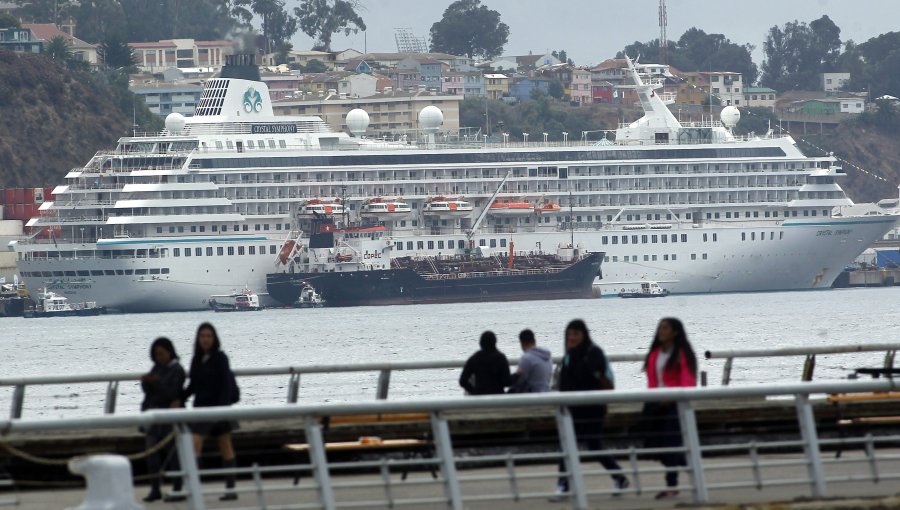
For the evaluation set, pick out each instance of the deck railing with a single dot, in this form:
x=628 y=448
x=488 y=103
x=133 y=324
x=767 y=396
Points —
x=787 y=468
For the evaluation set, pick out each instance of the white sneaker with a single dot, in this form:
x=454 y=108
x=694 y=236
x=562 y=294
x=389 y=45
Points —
x=561 y=494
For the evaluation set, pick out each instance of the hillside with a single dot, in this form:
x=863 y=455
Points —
x=875 y=149
x=55 y=119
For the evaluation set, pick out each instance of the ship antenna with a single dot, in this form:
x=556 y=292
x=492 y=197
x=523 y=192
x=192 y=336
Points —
x=344 y=203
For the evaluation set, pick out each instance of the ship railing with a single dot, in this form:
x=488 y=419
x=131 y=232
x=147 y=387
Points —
x=709 y=366
x=458 y=472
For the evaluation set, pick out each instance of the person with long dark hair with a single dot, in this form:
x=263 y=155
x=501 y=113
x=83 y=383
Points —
x=670 y=363
x=212 y=384
x=585 y=368
x=162 y=388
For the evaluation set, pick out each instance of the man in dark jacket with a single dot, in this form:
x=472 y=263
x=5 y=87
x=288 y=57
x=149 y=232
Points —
x=487 y=371
x=585 y=368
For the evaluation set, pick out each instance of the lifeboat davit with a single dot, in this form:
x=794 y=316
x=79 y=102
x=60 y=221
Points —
x=447 y=207
x=511 y=207
x=386 y=209
x=327 y=207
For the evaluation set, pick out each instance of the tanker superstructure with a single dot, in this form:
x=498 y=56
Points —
x=167 y=219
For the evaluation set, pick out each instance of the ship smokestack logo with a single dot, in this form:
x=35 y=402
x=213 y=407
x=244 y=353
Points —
x=252 y=101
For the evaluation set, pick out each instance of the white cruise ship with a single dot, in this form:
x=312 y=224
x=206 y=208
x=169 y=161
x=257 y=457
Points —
x=165 y=220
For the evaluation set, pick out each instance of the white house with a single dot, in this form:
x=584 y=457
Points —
x=852 y=104
x=727 y=86
x=834 y=81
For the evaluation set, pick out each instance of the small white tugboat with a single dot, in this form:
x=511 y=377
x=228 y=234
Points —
x=50 y=304
x=309 y=298
x=243 y=301
x=647 y=290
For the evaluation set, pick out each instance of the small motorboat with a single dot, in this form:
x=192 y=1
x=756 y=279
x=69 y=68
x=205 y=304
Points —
x=309 y=298
x=243 y=301
x=647 y=290
x=51 y=304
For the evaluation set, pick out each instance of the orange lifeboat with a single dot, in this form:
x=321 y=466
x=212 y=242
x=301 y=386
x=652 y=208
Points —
x=547 y=206
x=286 y=251
x=511 y=207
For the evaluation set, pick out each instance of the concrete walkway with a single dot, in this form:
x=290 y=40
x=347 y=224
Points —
x=781 y=483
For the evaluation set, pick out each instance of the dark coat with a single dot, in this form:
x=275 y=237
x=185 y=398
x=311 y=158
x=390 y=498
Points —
x=584 y=369
x=160 y=394
x=486 y=373
x=210 y=381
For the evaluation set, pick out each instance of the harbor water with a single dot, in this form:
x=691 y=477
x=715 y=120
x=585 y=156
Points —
x=277 y=338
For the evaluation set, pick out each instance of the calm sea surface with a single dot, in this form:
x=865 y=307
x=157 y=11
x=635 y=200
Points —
x=273 y=338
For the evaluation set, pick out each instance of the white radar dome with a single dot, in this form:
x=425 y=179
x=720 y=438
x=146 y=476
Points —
x=430 y=118
x=730 y=116
x=357 y=121
x=175 y=123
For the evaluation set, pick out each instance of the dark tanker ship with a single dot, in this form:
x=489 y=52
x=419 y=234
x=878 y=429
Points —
x=448 y=280
x=353 y=267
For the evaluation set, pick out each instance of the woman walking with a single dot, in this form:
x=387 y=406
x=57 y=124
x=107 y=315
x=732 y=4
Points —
x=585 y=368
x=162 y=388
x=212 y=384
x=670 y=363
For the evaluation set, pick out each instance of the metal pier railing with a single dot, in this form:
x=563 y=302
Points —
x=384 y=371
x=790 y=468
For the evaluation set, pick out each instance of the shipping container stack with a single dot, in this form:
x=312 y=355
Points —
x=23 y=203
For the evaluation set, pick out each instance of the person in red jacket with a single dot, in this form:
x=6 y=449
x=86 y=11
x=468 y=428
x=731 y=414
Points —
x=670 y=363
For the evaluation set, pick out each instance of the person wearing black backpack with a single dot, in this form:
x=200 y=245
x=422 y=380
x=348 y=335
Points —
x=585 y=368
x=212 y=383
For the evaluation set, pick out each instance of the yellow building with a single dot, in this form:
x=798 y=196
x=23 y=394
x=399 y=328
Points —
x=389 y=112
x=496 y=85
x=693 y=88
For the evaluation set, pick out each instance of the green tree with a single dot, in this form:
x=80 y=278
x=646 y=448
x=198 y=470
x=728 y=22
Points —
x=115 y=52
x=44 y=11
x=798 y=52
x=8 y=21
x=277 y=25
x=696 y=50
x=315 y=66
x=563 y=57
x=59 y=50
x=469 y=28
x=321 y=19
x=555 y=89
x=755 y=120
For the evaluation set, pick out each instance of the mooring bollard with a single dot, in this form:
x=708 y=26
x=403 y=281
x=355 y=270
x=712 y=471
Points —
x=109 y=482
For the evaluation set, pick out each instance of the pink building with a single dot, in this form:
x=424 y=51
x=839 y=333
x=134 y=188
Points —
x=182 y=53
x=581 y=86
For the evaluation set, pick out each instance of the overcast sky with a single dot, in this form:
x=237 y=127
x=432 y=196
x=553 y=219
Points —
x=593 y=30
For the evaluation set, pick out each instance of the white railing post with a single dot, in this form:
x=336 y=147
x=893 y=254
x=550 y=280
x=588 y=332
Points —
x=444 y=449
x=691 y=439
x=184 y=443
x=18 y=402
x=319 y=462
x=568 y=442
x=384 y=382
x=112 y=392
x=810 y=437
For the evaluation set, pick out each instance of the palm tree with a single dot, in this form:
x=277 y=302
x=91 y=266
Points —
x=59 y=49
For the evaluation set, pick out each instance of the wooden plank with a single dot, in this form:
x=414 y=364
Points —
x=868 y=397
x=379 y=418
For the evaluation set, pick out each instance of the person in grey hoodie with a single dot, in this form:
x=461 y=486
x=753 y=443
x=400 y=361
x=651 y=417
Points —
x=535 y=367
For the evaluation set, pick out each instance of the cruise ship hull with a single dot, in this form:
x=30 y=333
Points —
x=773 y=256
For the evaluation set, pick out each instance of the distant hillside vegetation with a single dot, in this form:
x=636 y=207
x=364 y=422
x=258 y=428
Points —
x=54 y=119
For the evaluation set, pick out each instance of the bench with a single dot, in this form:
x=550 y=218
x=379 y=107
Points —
x=411 y=448
x=838 y=399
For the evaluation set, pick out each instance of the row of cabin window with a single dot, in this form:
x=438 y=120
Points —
x=250 y=144
x=648 y=258
x=645 y=238
x=222 y=250
x=97 y=272
x=762 y=236
x=768 y=214
x=450 y=244
x=224 y=228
